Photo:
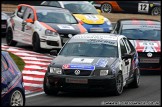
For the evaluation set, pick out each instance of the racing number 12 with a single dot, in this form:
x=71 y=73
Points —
x=143 y=7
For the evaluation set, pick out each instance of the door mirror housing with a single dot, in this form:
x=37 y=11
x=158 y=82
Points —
x=53 y=52
x=126 y=56
x=99 y=11
x=29 y=20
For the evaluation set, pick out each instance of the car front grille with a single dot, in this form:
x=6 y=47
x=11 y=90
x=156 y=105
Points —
x=72 y=72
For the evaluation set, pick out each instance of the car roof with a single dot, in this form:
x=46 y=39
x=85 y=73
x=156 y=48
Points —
x=74 y=1
x=50 y=8
x=138 y=21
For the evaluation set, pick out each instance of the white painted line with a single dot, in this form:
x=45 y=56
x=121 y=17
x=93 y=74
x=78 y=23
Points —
x=36 y=55
x=35 y=67
x=32 y=95
x=36 y=59
x=32 y=78
x=33 y=72
x=36 y=62
x=33 y=85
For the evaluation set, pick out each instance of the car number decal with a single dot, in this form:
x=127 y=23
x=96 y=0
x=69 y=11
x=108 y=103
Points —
x=65 y=27
x=143 y=7
x=101 y=62
x=82 y=60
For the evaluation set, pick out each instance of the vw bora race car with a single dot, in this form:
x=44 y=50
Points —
x=42 y=27
x=93 y=61
x=86 y=13
x=145 y=35
x=12 y=88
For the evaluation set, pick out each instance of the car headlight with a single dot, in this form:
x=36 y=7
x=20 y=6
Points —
x=107 y=21
x=104 y=72
x=51 y=33
x=55 y=70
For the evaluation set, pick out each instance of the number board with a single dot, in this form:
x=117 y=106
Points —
x=143 y=7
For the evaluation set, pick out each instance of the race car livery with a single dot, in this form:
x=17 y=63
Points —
x=12 y=89
x=149 y=7
x=145 y=36
x=4 y=18
x=86 y=13
x=42 y=27
x=93 y=61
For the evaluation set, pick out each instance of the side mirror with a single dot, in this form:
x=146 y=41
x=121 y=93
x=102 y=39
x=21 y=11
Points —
x=29 y=20
x=20 y=14
x=126 y=56
x=99 y=11
x=53 y=52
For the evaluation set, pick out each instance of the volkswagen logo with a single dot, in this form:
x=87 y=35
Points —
x=77 y=72
x=149 y=54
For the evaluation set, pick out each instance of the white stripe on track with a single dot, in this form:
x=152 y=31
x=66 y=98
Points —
x=36 y=59
x=32 y=78
x=33 y=72
x=28 y=55
x=35 y=67
x=33 y=85
x=36 y=62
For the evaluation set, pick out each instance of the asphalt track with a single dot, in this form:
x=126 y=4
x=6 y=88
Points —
x=149 y=92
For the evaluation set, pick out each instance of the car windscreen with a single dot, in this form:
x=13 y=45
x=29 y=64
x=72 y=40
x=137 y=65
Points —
x=141 y=32
x=80 y=8
x=55 y=17
x=89 y=49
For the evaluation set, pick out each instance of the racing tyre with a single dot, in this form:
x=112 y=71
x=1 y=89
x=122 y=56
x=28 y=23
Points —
x=106 y=8
x=36 y=43
x=156 y=11
x=17 y=98
x=9 y=38
x=47 y=89
x=135 y=82
x=118 y=87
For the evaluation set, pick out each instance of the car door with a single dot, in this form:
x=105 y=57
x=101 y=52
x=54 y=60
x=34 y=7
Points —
x=17 y=20
x=125 y=62
x=28 y=27
x=130 y=50
x=129 y=6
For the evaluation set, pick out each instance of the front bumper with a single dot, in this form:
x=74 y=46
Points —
x=98 y=28
x=50 y=42
x=93 y=83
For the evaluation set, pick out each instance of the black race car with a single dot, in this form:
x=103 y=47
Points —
x=145 y=35
x=149 y=7
x=93 y=61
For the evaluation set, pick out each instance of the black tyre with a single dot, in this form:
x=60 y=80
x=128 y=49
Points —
x=47 y=89
x=156 y=11
x=17 y=98
x=135 y=83
x=118 y=87
x=9 y=38
x=106 y=8
x=36 y=43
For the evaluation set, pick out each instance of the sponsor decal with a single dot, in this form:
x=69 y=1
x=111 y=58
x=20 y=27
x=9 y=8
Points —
x=147 y=46
x=101 y=62
x=91 y=17
x=82 y=60
x=65 y=27
x=110 y=42
x=78 y=67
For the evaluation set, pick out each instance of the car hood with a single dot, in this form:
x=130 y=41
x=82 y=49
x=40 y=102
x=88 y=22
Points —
x=90 y=18
x=65 y=28
x=146 y=45
x=98 y=62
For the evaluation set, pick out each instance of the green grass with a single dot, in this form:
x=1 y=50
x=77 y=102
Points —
x=19 y=62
